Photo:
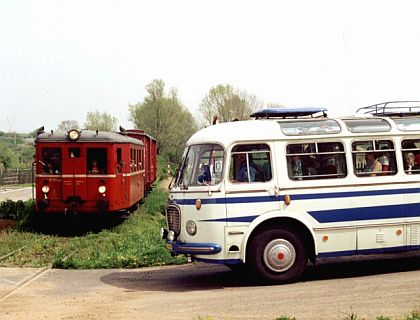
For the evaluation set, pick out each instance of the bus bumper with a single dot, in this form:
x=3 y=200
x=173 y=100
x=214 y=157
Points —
x=192 y=248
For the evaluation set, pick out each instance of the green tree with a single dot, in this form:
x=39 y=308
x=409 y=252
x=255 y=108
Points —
x=227 y=103
x=100 y=121
x=7 y=157
x=67 y=125
x=163 y=116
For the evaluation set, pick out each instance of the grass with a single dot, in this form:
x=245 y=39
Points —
x=134 y=243
x=415 y=315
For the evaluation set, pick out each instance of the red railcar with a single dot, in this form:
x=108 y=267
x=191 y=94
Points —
x=89 y=171
x=150 y=147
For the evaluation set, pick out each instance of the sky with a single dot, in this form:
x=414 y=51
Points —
x=62 y=59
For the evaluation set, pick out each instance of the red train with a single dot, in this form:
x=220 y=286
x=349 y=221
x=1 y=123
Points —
x=93 y=171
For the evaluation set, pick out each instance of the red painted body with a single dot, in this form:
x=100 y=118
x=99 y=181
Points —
x=150 y=147
x=70 y=175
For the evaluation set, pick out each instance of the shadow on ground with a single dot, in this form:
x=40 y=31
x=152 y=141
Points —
x=74 y=225
x=199 y=276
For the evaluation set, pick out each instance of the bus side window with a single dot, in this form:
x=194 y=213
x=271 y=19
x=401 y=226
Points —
x=374 y=158
x=411 y=156
x=250 y=163
x=317 y=160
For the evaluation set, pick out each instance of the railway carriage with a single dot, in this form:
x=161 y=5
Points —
x=150 y=146
x=89 y=172
x=292 y=186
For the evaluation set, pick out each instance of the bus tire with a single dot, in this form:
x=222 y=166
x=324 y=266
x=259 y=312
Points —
x=278 y=255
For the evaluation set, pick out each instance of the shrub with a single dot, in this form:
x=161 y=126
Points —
x=20 y=211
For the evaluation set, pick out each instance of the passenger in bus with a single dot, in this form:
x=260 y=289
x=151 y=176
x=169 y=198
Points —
x=373 y=166
x=297 y=170
x=243 y=171
x=410 y=165
x=384 y=160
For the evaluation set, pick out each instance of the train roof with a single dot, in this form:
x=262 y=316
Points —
x=87 y=136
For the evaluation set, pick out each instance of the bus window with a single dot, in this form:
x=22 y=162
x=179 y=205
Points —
x=374 y=158
x=51 y=160
x=250 y=163
x=367 y=125
x=317 y=160
x=202 y=165
x=96 y=160
x=411 y=155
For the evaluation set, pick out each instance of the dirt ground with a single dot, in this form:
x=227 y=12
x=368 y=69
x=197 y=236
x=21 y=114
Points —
x=15 y=194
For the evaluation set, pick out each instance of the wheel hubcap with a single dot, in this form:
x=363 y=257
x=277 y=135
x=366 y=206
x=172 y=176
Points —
x=279 y=255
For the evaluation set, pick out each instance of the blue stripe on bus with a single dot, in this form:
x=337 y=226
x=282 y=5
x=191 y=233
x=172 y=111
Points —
x=367 y=213
x=365 y=251
x=310 y=196
x=349 y=214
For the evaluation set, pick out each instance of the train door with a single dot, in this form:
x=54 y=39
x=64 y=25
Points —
x=74 y=176
x=121 y=182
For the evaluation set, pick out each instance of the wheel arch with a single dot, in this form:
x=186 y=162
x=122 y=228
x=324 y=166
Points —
x=274 y=220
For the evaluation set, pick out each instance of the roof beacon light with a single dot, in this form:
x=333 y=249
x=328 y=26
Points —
x=74 y=135
x=289 y=112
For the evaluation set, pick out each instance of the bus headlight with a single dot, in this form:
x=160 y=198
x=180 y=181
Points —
x=102 y=189
x=191 y=227
x=45 y=189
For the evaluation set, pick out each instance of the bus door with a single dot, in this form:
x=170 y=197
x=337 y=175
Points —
x=74 y=177
x=251 y=190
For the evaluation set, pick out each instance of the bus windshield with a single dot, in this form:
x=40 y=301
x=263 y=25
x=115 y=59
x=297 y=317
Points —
x=201 y=165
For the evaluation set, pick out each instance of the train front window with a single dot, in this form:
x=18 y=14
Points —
x=96 y=160
x=51 y=160
x=202 y=165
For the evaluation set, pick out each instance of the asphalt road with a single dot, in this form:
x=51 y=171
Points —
x=331 y=290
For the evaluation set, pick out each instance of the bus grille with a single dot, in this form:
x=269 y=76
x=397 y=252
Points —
x=173 y=216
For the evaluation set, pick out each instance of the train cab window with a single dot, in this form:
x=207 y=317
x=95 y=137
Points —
x=51 y=160
x=374 y=158
x=316 y=160
x=74 y=152
x=411 y=155
x=250 y=163
x=96 y=160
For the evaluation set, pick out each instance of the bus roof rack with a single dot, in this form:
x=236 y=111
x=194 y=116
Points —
x=392 y=109
x=289 y=112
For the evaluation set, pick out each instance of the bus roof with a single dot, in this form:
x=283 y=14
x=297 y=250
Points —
x=87 y=136
x=303 y=128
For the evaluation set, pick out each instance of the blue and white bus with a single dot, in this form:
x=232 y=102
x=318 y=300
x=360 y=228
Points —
x=291 y=186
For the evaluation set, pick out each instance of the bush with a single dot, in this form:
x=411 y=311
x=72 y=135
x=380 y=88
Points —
x=20 y=211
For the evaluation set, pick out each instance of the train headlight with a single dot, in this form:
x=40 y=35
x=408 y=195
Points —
x=45 y=189
x=191 y=227
x=102 y=189
x=74 y=135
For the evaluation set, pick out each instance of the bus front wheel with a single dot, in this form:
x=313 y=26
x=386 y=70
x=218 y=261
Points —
x=278 y=255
